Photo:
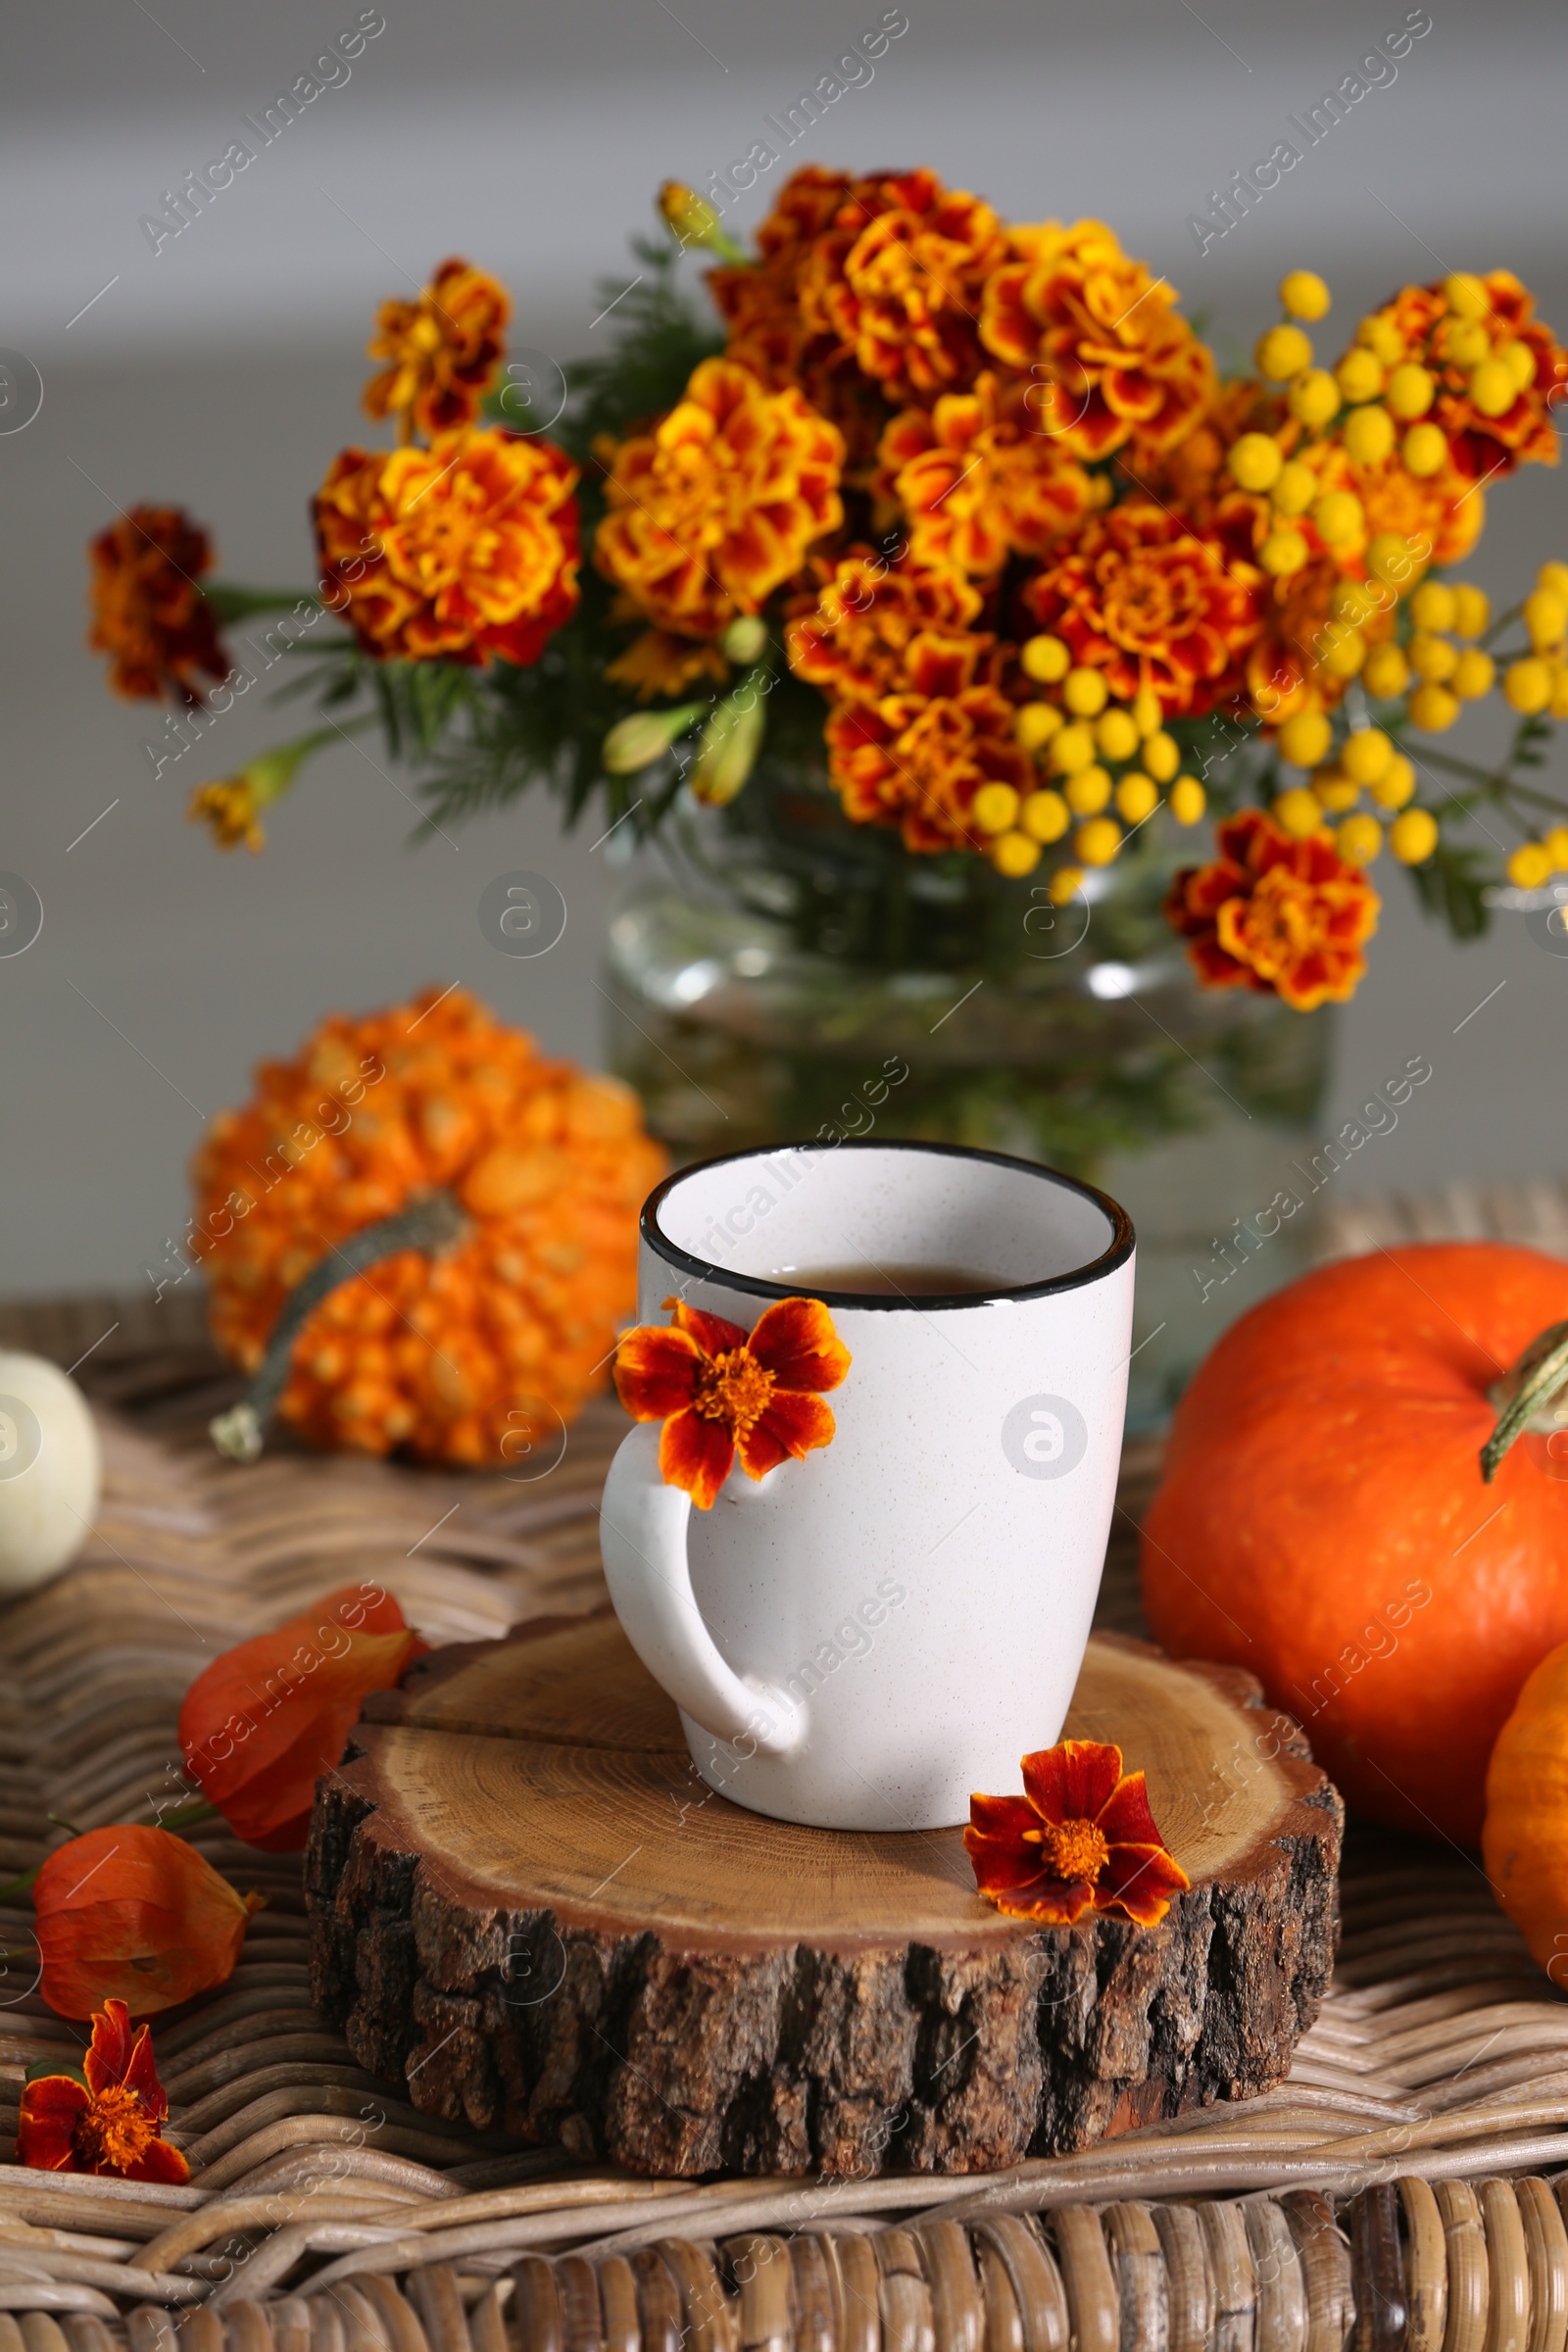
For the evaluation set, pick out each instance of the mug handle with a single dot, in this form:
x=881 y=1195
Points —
x=642 y=1534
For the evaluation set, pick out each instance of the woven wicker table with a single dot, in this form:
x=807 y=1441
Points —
x=1390 y=2184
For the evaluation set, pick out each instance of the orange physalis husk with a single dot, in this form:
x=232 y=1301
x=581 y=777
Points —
x=267 y=1719
x=135 y=1915
x=108 y=2119
x=1079 y=1839
x=721 y=1391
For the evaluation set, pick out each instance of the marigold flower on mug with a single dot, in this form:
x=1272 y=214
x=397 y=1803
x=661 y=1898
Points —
x=262 y=1722
x=721 y=1391
x=133 y=1914
x=106 y=2118
x=1079 y=1839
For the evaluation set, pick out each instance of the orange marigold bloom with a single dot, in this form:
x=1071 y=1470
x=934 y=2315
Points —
x=896 y=279
x=110 y=2117
x=715 y=507
x=854 y=638
x=1526 y=433
x=1079 y=1839
x=448 y=1355
x=767 y=334
x=660 y=666
x=262 y=1723
x=915 y=758
x=135 y=1914
x=1283 y=917
x=442 y=350
x=462 y=551
x=1114 y=361
x=721 y=1392
x=1147 y=601
x=979 y=481
x=148 y=611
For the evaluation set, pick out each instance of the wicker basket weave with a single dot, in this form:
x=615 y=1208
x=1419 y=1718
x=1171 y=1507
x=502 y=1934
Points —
x=1389 y=2191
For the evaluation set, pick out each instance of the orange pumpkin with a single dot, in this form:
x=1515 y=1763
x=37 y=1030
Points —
x=1324 y=1521
x=1525 y=1842
x=490 y=1194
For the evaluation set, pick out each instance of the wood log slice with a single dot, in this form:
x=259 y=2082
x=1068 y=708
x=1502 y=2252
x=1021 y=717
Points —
x=528 y=1907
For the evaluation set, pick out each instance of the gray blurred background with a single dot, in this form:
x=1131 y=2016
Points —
x=223 y=373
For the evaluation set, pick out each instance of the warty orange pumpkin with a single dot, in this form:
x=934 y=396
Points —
x=421 y=1233
x=1325 y=1519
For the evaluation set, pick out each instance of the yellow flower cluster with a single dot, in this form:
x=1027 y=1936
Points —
x=1076 y=743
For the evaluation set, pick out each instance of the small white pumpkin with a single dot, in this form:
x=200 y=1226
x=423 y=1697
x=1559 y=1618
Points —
x=50 y=1470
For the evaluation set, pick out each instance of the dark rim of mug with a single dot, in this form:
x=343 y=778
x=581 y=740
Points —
x=1116 y=1255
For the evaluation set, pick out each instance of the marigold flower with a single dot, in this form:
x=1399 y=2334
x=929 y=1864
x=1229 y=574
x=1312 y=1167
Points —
x=233 y=806
x=656 y=664
x=442 y=350
x=915 y=758
x=107 y=2120
x=149 y=612
x=1145 y=599
x=1079 y=1839
x=1445 y=340
x=854 y=637
x=1283 y=917
x=715 y=507
x=462 y=551
x=978 y=482
x=262 y=1723
x=1114 y=361
x=135 y=1914
x=721 y=1391
x=898 y=278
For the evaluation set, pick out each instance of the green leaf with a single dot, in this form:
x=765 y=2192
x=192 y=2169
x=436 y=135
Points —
x=1450 y=886
x=42 y=2068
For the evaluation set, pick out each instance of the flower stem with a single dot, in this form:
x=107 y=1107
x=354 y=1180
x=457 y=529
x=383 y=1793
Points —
x=1531 y=1384
x=431 y=1223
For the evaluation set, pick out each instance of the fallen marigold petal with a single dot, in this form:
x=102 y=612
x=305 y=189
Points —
x=133 y=1914
x=262 y=1724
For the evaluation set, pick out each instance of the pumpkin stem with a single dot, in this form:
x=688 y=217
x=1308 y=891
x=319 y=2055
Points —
x=431 y=1223
x=1525 y=1392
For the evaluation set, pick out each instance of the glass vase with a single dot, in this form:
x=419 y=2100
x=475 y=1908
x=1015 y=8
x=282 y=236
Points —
x=779 y=975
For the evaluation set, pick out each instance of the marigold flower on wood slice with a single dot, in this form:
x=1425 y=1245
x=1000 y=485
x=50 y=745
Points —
x=721 y=1391
x=135 y=1914
x=1282 y=918
x=462 y=551
x=109 y=2118
x=442 y=350
x=261 y=1724
x=149 y=613
x=1079 y=1839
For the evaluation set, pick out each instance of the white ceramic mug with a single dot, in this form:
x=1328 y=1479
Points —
x=864 y=1636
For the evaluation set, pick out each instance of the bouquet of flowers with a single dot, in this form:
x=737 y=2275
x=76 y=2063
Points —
x=963 y=519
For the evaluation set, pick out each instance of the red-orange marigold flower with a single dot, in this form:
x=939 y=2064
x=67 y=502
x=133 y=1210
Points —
x=461 y=551
x=721 y=1391
x=442 y=350
x=1114 y=361
x=715 y=507
x=897 y=277
x=916 y=756
x=262 y=1723
x=1526 y=433
x=1283 y=917
x=979 y=481
x=148 y=611
x=133 y=1914
x=1079 y=1839
x=1145 y=599
x=108 y=2119
x=854 y=637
